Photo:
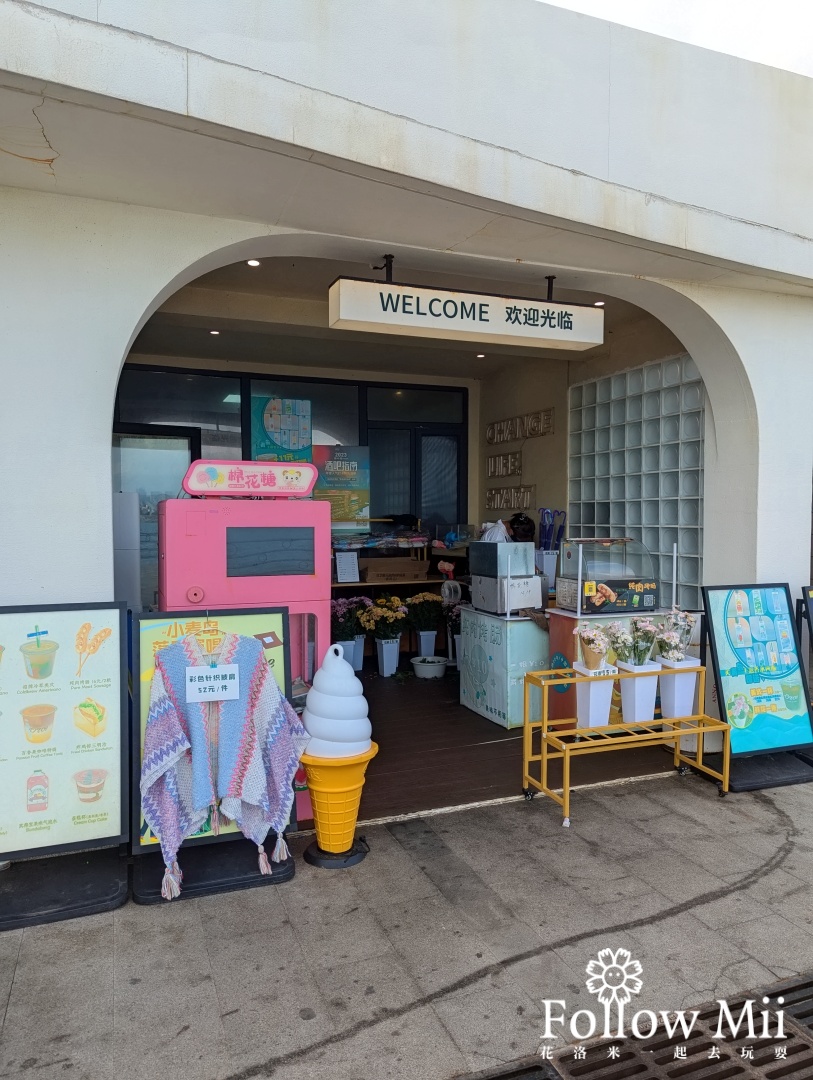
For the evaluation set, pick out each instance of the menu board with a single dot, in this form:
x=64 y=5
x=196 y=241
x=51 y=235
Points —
x=63 y=712
x=761 y=686
x=153 y=632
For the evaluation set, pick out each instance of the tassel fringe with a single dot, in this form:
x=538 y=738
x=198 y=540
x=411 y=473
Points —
x=171 y=885
x=265 y=866
x=215 y=821
x=281 y=852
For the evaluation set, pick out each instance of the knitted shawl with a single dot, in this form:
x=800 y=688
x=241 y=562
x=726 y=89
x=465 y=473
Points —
x=241 y=754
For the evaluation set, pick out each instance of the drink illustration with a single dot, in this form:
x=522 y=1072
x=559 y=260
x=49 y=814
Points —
x=740 y=632
x=761 y=628
x=783 y=635
x=91 y=717
x=756 y=602
x=87 y=646
x=36 y=792
x=39 y=658
x=792 y=693
x=90 y=784
x=38 y=722
x=763 y=657
x=777 y=602
x=740 y=601
x=773 y=653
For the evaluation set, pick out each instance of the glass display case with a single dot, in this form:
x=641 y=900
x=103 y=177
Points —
x=615 y=575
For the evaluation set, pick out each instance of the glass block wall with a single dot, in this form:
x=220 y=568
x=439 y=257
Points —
x=636 y=466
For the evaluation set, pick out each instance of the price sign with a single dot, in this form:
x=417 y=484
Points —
x=220 y=683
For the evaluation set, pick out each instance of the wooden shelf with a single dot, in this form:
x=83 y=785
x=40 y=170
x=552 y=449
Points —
x=385 y=584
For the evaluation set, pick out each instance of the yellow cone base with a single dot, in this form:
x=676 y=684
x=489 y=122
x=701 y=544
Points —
x=335 y=786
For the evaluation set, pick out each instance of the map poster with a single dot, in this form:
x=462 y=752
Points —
x=281 y=429
x=63 y=724
x=761 y=686
x=153 y=632
x=344 y=480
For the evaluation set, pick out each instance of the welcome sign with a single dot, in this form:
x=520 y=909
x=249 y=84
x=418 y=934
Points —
x=416 y=311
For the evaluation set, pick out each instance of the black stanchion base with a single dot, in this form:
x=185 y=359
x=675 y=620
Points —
x=762 y=771
x=208 y=869
x=328 y=860
x=64 y=887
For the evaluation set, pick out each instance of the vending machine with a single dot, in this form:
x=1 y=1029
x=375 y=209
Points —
x=249 y=536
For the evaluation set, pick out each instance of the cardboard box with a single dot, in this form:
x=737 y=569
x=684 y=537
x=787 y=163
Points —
x=499 y=595
x=393 y=570
x=499 y=560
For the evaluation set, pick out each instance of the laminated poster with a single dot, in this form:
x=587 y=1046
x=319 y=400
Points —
x=281 y=429
x=157 y=630
x=761 y=685
x=344 y=481
x=61 y=745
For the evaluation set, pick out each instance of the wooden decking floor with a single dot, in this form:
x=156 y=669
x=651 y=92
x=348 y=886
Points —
x=434 y=752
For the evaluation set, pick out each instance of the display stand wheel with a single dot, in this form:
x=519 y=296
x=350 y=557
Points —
x=208 y=869
x=34 y=891
x=529 y=793
x=329 y=860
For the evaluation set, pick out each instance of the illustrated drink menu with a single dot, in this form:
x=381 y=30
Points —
x=60 y=728
x=762 y=683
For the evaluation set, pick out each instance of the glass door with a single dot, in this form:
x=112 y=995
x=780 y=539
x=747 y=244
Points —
x=416 y=469
x=149 y=464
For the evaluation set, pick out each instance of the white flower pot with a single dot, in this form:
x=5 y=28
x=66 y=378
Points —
x=426 y=642
x=388 y=650
x=348 y=647
x=638 y=695
x=429 y=667
x=594 y=696
x=358 y=653
x=677 y=691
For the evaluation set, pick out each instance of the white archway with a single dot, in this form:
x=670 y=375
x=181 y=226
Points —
x=105 y=268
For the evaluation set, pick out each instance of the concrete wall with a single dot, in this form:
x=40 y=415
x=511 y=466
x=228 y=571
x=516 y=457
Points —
x=521 y=103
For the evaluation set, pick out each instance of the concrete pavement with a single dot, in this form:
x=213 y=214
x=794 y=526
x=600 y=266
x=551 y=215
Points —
x=432 y=957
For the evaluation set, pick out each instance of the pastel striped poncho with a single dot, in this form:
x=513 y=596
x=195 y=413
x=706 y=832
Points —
x=235 y=758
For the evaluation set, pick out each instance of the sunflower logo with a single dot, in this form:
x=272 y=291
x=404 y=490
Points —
x=614 y=977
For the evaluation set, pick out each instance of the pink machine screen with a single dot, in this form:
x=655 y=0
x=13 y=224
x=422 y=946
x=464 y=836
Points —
x=233 y=553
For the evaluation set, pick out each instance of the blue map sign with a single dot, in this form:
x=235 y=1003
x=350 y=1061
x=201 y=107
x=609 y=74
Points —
x=761 y=685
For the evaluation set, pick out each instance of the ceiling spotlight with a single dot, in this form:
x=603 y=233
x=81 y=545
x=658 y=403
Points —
x=214 y=331
x=253 y=262
x=599 y=303
x=481 y=356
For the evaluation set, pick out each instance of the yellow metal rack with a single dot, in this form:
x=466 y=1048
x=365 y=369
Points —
x=546 y=740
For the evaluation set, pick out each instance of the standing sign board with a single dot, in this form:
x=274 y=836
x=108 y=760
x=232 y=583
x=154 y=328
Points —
x=63 y=728
x=761 y=685
x=153 y=632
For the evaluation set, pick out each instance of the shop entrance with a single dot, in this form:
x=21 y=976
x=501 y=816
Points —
x=413 y=415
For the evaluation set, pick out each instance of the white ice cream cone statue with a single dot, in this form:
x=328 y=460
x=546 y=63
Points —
x=336 y=760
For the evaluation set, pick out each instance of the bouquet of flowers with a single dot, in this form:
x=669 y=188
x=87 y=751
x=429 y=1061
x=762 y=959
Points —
x=344 y=616
x=384 y=619
x=633 y=646
x=424 y=610
x=593 y=638
x=451 y=613
x=682 y=623
x=670 y=645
